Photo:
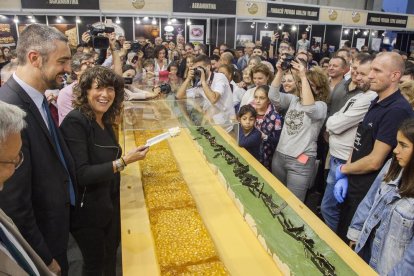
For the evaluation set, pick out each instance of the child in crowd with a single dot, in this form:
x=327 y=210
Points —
x=249 y=136
x=383 y=224
x=173 y=68
x=149 y=66
x=269 y=122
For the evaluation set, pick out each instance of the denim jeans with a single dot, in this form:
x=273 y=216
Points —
x=330 y=207
x=293 y=174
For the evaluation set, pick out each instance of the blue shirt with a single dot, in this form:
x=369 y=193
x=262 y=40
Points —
x=251 y=142
x=383 y=225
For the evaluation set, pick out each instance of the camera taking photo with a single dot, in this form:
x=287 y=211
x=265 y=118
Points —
x=98 y=40
x=165 y=88
x=197 y=75
x=287 y=62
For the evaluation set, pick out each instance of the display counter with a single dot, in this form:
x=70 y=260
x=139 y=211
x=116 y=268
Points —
x=265 y=231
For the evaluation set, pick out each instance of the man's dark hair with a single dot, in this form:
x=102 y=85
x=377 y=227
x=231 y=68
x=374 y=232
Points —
x=214 y=57
x=364 y=58
x=202 y=58
x=189 y=44
x=346 y=51
x=409 y=69
x=347 y=44
x=230 y=51
x=247 y=109
x=344 y=63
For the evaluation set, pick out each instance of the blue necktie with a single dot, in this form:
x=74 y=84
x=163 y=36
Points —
x=16 y=254
x=53 y=133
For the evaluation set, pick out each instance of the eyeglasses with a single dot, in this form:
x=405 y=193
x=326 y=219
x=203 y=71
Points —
x=17 y=162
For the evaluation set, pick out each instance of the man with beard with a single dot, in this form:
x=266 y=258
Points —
x=375 y=137
x=38 y=197
x=341 y=128
x=346 y=89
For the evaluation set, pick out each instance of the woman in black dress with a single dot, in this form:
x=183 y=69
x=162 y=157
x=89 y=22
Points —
x=95 y=223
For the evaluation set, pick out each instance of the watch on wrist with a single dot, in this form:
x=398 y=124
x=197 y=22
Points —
x=119 y=165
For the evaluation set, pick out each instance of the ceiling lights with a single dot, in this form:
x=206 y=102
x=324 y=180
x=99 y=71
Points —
x=154 y=21
x=138 y=21
x=117 y=21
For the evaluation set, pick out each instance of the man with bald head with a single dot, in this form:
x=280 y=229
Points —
x=244 y=60
x=375 y=137
x=226 y=58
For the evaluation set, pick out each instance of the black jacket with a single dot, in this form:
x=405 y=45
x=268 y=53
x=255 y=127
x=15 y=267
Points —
x=93 y=150
x=36 y=197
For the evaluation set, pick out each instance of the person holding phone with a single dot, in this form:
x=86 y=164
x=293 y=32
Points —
x=88 y=132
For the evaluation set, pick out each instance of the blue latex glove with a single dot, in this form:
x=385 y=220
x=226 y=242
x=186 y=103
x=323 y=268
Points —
x=340 y=189
x=338 y=173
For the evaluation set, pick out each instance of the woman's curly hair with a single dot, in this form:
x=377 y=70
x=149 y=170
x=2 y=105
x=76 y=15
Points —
x=104 y=77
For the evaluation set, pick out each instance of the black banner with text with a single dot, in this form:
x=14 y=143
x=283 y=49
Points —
x=293 y=12
x=61 y=4
x=205 y=6
x=388 y=20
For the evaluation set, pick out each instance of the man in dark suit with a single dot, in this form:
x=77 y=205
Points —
x=16 y=255
x=39 y=195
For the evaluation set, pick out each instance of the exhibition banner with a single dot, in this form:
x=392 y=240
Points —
x=293 y=12
x=205 y=6
x=387 y=20
x=61 y=4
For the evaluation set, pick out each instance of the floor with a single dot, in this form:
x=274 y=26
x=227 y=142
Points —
x=75 y=259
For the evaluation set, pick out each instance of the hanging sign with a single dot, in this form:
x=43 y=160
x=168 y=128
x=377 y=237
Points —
x=388 y=20
x=293 y=12
x=205 y=6
x=61 y=4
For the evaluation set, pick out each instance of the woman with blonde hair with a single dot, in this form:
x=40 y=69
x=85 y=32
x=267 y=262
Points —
x=407 y=90
x=294 y=159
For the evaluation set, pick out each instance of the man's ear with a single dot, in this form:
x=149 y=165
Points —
x=34 y=58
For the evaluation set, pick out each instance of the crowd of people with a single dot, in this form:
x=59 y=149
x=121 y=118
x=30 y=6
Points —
x=336 y=123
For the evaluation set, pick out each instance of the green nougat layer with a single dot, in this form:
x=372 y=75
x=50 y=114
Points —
x=288 y=250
